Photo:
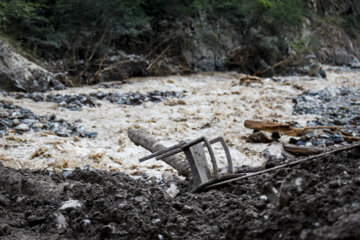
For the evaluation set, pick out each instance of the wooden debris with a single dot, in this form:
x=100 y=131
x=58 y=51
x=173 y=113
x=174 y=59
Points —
x=303 y=150
x=281 y=128
x=286 y=129
x=140 y=137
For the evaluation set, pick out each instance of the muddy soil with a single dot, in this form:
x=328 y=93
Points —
x=319 y=199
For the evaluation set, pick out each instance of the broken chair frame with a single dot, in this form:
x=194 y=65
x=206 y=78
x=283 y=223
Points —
x=195 y=154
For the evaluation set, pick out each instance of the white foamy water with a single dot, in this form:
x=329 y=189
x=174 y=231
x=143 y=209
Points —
x=215 y=105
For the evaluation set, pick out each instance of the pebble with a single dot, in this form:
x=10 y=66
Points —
x=16 y=122
x=22 y=127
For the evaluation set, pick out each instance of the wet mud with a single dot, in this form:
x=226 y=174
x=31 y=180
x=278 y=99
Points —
x=318 y=199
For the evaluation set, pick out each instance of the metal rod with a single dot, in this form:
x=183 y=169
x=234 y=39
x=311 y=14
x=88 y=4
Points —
x=177 y=149
x=162 y=152
x=167 y=154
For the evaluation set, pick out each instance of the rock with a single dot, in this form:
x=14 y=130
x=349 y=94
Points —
x=19 y=74
x=107 y=230
x=22 y=127
x=355 y=63
x=38 y=125
x=60 y=221
x=258 y=137
x=4 y=201
x=343 y=59
x=271 y=193
x=317 y=71
x=168 y=176
x=173 y=190
x=70 y=204
x=16 y=122
x=4 y=229
x=34 y=220
x=293 y=185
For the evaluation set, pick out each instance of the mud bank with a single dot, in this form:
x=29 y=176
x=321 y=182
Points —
x=318 y=199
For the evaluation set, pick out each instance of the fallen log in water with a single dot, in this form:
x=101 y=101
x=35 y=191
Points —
x=140 y=137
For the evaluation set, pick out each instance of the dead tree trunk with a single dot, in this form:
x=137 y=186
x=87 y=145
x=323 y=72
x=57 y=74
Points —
x=140 y=137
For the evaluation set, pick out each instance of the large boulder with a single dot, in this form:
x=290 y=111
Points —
x=19 y=74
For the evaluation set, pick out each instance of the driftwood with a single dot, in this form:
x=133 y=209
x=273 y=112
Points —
x=303 y=150
x=281 y=128
x=286 y=129
x=140 y=137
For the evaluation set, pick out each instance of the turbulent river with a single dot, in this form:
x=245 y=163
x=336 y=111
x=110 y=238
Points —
x=215 y=104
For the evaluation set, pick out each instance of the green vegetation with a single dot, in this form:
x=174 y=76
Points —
x=351 y=26
x=83 y=32
x=68 y=25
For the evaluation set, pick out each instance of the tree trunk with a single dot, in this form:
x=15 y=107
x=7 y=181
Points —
x=140 y=137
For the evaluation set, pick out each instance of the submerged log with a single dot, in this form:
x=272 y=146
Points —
x=140 y=137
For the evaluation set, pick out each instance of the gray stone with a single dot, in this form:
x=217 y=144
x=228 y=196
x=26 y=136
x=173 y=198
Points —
x=16 y=122
x=343 y=59
x=22 y=127
x=316 y=70
x=19 y=74
x=355 y=63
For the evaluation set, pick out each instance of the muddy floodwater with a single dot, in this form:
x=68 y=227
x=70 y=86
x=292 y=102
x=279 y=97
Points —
x=213 y=104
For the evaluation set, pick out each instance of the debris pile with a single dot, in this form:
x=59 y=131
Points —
x=20 y=120
x=305 y=141
x=76 y=102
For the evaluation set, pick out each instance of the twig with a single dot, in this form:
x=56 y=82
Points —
x=272 y=67
x=157 y=58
